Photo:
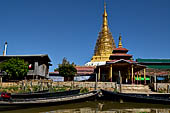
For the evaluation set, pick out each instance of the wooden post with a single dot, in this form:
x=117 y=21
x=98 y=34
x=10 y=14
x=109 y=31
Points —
x=96 y=82
x=137 y=77
x=155 y=84
x=144 y=75
x=120 y=82
x=1 y=80
x=40 y=84
x=132 y=75
x=140 y=76
x=99 y=74
x=110 y=76
x=128 y=74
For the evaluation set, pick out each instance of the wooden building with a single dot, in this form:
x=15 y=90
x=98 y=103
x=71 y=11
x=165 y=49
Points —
x=157 y=69
x=38 y=64
x=120 y=63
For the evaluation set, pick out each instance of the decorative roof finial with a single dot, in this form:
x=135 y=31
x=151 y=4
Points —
x=120 y=41
x=104 y=4
x=105 y=13
x=105 y=24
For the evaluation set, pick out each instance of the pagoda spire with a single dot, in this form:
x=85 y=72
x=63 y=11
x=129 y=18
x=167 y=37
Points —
x=120 y=41
x=105 y=42
x=105 y=23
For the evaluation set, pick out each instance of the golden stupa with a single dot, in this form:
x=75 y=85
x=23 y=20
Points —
x=105 y=42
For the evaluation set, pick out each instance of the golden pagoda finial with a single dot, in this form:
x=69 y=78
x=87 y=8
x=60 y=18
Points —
x=105 y=25
x=120 y=41
x=104 y=6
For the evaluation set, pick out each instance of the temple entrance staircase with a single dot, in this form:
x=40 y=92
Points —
x=134 y=88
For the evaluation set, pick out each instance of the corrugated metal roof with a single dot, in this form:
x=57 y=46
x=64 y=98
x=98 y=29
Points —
x=153 y=60
x=26 y=56
x=159 y=66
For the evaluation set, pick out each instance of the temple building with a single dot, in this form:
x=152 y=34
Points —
x=110 y=61
x=104 y=45
x=120 y=67
x=114 y=64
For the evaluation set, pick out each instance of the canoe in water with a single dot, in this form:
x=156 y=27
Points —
x=124 y=97
x=52 y=100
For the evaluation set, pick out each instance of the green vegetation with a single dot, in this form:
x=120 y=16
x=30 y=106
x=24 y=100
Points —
x=67 y=70
x=115 y=90
x=10 y=89
x=162 y=90
x=35 y=88
x=14 y=68
x=84 y=90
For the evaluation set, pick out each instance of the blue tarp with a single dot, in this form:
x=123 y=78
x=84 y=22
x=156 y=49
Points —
x=81 y=78
x=61 y=79
x=160 y=78
x=57 y=78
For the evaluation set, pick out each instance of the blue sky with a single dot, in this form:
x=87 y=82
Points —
x=69 y=28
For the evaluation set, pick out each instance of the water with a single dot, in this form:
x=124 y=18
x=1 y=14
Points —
x=92 y=107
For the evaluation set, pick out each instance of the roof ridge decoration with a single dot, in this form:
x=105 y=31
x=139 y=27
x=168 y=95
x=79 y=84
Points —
x=120 y=41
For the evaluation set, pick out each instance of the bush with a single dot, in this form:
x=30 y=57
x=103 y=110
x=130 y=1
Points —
x=84 y=90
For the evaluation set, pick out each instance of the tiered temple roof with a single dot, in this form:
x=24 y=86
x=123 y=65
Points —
x=120 y=53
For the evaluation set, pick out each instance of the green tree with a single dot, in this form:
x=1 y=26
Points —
x=15 y=68
x=67 y=70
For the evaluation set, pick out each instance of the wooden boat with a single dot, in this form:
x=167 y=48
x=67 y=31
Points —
x=124 y=97
x=43 y=94
x=51 y=100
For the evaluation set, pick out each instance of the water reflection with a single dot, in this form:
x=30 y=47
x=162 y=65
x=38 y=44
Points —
x=90 y=110
x=92 y=107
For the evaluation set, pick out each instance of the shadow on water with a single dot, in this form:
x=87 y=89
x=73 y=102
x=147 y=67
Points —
x=90 y=107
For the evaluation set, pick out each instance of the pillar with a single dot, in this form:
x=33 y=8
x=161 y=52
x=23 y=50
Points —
x=110 y=74
x=128 y=73
x=132 y=75
x=155 y=84
x=128 y=81
x=144 y=72
x=137 y=76
x=140 y=76
x=99 y=74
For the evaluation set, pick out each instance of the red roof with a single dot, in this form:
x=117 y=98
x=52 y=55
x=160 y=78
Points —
x=155 y=73
x=120 y=49
x=87 y=68
x=81 y=70
x=120 y=54
x=115 y=61
x=56 y=72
